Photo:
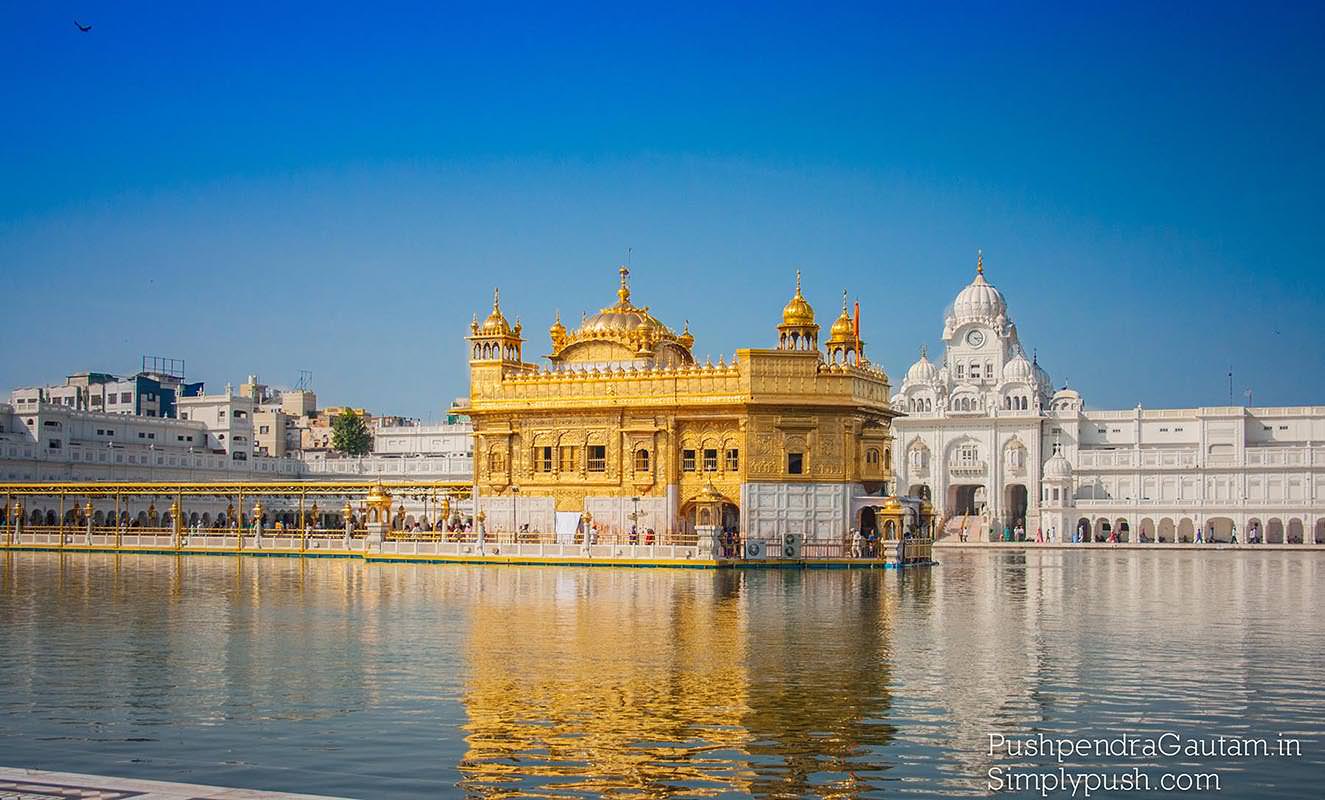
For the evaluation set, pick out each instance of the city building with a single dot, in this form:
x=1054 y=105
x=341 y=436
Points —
x=146 y=394
x=625 y=426
x=989 y=438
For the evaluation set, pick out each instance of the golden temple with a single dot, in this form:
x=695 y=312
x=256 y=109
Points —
x=622 y=426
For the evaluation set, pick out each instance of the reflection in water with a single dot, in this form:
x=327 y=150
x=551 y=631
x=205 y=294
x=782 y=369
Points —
x=338 y=677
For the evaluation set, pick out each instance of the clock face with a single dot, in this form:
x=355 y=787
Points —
x=975 y=338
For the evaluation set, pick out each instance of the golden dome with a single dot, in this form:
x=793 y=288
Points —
x=557 y=331
x=495 y=324
x=686 y=339
x=843 y=330
x=378 y=496
x=630 y=332
x=624 y=317
x=798 y=312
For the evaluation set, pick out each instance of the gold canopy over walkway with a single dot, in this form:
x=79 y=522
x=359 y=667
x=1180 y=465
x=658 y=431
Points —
x=222 y=488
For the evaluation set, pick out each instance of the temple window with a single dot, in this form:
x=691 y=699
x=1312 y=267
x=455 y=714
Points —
x=496 y=462
x=961 y=371
x=570 y=458
x=543 y=459
x=688 y=460
x=733 y=460
x=597 y=458
x=710 y=460
x=871 y=456
x=641 y=460
x=795 y=463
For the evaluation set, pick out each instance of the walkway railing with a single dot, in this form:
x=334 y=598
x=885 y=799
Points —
x=666 y=547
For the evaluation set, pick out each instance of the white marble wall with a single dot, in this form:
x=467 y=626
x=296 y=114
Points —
x=816 y=511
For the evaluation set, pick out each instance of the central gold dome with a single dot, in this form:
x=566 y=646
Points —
x=622 y=332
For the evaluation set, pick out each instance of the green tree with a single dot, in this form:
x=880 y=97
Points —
x=349 y=434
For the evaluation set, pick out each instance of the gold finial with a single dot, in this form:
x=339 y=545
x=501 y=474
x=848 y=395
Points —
x=844 y=301
x=924 y=351
x=623 y=294
x=798 y=283
x=979 y=262
x=496 y=299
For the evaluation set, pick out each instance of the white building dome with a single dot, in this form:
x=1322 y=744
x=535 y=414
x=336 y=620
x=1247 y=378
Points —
x=1057 y=468
x=1042 y=380
x=923 y=371
x=1066 y=399
x=1019 y=369
x=979 y=300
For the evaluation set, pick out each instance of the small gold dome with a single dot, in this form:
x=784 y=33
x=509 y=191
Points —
x=496 y=324
x=378 y=496
x=798 y=312
x=686 y=338
x=843 y=329
x=557 y=331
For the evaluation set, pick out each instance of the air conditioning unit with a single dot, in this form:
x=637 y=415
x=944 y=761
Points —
x=791 y=546
x=755 y=550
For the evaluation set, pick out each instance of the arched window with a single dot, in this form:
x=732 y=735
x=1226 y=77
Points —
x=872 y=456
x=496 y=461
x=641 y=460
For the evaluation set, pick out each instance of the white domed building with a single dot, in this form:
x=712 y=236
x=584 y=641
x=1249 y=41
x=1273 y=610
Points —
x=972 y=432
x=992 y=444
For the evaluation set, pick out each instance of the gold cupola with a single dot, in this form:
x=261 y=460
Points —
x=557 y=332
x=844 y=345
x=495 y=339
x=687 y=339
x=623 y=333
x=798 y=330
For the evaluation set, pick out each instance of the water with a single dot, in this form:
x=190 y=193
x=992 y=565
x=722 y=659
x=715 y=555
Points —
x=403 y=681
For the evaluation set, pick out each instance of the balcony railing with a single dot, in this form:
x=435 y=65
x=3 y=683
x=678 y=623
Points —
x=968 y=469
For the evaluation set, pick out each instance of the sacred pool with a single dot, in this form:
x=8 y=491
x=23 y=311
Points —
x=389 y=680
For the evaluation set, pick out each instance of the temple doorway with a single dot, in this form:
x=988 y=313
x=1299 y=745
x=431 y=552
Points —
x=966 y=499
x=1016 y=504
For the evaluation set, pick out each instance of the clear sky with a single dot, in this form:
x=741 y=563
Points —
x=273 y=187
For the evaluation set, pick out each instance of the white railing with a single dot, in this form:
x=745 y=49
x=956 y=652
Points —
x=1278 y=456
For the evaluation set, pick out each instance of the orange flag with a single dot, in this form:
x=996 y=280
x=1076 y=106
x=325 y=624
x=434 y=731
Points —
x=855 y=323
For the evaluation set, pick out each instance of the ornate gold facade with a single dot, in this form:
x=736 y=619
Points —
x=624 y=417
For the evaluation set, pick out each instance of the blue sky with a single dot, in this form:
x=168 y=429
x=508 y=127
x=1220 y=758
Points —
x=273 y=187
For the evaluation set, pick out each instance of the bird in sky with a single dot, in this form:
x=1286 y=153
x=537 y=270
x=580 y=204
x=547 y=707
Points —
x=82 y=27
